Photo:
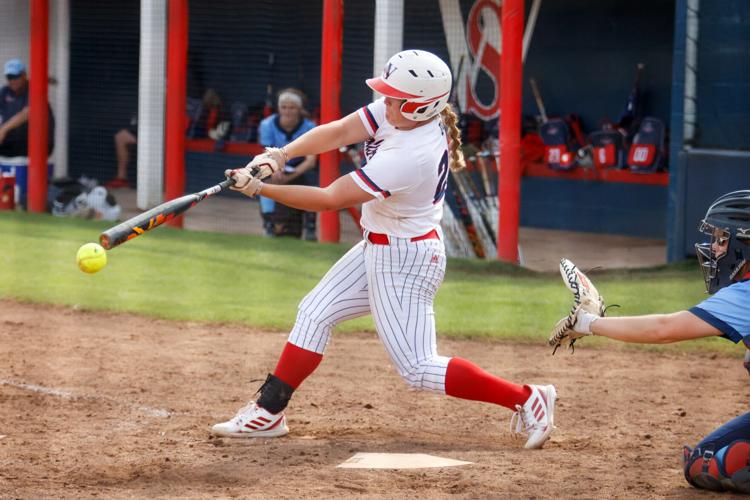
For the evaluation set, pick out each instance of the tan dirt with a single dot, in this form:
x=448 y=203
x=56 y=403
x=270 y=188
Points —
x=82 y=394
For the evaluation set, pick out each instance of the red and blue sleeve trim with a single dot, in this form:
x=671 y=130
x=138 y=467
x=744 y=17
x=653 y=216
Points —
x=372 y=185
x=370 y=119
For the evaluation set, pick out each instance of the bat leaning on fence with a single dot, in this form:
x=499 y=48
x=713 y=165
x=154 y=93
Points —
x=538 y=99
x=475 y=229
x=477 y=212
x=482 y=205
x=135 y=226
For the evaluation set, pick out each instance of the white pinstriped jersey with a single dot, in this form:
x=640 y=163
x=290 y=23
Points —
x=406 y=171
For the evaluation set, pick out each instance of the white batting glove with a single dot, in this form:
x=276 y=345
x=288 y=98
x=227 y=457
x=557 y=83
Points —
x=279 y=156
x=244 y=181
x=266 y=164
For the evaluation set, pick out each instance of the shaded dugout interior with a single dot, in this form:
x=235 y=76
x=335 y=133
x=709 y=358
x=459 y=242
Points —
x=583 y=54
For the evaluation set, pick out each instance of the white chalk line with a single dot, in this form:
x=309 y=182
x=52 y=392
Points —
x=62 y=393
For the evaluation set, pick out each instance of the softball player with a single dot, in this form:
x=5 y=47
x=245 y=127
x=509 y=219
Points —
x=722 y=459
x=411 y=140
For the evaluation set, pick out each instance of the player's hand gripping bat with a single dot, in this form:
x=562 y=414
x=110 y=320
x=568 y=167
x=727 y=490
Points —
x=135 y=226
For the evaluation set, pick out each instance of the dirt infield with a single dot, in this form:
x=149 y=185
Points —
x=96 y=404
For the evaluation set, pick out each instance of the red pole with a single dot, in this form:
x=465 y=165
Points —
x=330 y=108
x=509 y=180
x=177 y=48
x=38 y=126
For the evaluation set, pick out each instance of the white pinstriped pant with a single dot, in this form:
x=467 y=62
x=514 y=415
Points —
x=395 y=283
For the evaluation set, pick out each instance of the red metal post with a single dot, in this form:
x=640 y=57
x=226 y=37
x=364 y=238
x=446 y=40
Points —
x=330 y=108
x=509 y=180
x=38 y=126
x=174 y=150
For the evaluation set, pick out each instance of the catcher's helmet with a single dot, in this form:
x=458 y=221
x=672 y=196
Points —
x=727 y=222
x=419 y=77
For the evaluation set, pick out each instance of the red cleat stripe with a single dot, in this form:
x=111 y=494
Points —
x=276 y=423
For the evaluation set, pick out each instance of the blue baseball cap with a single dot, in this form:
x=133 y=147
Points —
x=14 y=67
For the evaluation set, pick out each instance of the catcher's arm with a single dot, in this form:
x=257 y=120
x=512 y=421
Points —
x=654 y=328
x=588 y=311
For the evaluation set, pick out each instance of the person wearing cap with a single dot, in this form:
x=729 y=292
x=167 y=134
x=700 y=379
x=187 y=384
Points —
x=14 y=112
x=278 y=130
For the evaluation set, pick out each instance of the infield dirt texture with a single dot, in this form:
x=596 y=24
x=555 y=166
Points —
x=113 y=406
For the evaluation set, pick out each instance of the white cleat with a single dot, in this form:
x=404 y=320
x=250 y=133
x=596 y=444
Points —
x=253 y=421
x=536 y=417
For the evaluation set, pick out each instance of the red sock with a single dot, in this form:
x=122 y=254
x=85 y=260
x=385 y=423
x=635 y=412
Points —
x=465 y=380
x=295 y=364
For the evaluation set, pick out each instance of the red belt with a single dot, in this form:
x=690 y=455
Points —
x=383 y=239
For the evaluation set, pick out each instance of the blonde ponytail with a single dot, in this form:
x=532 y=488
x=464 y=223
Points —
x=450 y=119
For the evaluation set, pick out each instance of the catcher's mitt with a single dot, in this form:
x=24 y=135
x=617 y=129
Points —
x=586 y=298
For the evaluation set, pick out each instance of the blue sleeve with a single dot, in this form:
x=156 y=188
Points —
x=727 y=310
x=307 y=126
x=265 y=132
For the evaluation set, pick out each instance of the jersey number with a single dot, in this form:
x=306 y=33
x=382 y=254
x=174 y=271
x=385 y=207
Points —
x=442 y=178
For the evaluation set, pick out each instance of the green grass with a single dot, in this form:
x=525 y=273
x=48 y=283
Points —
x=200 y=276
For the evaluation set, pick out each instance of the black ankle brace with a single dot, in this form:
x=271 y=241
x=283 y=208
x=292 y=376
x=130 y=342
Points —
x=274 y=394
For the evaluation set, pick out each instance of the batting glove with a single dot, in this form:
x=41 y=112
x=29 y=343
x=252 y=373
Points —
x=266 y=164
x=747 y=361
x=244 y=181
x=279 y=156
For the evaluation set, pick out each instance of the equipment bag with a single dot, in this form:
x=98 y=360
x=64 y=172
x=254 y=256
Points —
x=558 y=153
x=609 y=148
x=647 y=153
x=77 y=198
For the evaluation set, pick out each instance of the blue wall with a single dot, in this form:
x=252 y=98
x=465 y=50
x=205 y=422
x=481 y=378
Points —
x=594 y=207
x=723 y=87
x=722 y=164
x=584 y=56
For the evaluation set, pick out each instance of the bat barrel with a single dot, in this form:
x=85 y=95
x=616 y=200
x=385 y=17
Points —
x=155 y=217
x=146 y=221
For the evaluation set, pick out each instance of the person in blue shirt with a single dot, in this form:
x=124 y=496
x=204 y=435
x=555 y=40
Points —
x=278 y=130
x=722 y=459
x=14 y=112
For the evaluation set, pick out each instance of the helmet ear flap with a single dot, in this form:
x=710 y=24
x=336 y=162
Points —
x=421 y=110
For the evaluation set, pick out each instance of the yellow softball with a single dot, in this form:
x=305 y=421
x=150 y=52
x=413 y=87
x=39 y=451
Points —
x=91 y=258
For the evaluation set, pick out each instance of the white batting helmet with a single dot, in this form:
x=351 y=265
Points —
x=419 y=77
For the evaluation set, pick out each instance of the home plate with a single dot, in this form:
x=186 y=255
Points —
x=397 y=461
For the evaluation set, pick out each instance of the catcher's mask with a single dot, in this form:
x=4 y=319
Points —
x=727 y=223
x=420 y=78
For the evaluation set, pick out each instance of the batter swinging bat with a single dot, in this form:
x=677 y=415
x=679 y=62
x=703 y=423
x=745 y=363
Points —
x=135 y=226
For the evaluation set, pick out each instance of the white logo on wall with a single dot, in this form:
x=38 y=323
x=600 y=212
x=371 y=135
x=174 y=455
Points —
x=475 y=47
